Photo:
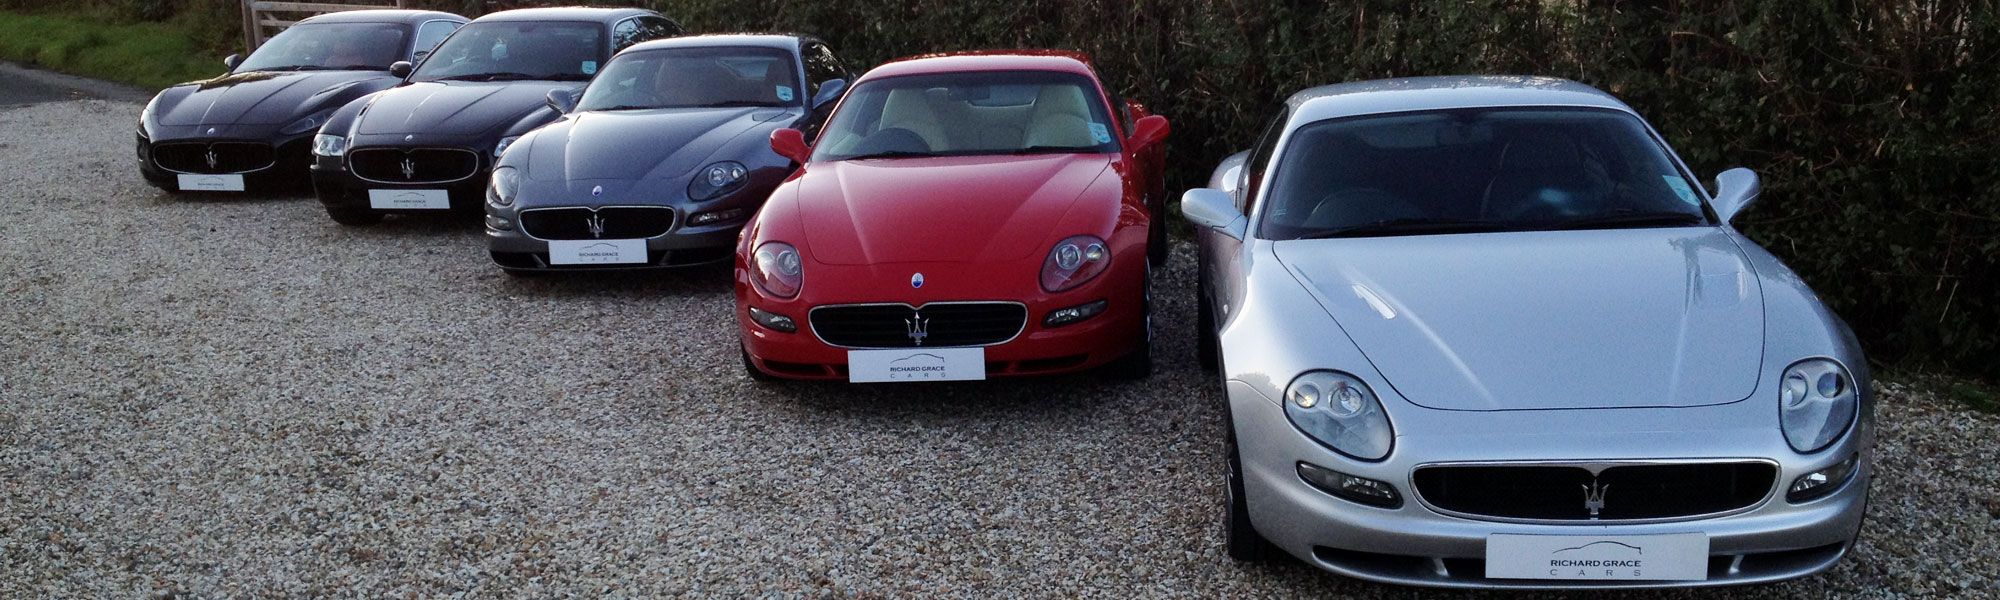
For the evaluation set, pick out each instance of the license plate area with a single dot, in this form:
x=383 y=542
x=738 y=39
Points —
x=597 y=252
x=409 y=199
x=1665 y=557
x=209 y=183
x=916 y=364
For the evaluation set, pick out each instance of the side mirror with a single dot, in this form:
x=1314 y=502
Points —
x=1736 y=189
x=1212 y=208
x=828 y=93
x=791 y=143
x=563 y=100
x=401 y=68
x=1149 y=130
x=232 y=60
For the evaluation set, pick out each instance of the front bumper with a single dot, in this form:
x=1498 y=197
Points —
x=339 y=188
x=292 y=159
x=1416 y=545
x=679 y=247
x=1037 y=350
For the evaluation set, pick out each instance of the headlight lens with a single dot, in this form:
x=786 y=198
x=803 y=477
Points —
x=1816 y=404
x=717 y=179
x=505 y=185
x=1341 y=412
x=501 y=148
x=1073 y=261
x=777 y=269
x=309 y=123
x=329 y=145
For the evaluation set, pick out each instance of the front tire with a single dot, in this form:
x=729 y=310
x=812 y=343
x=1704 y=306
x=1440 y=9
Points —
x=1207 y=346
x=354 y=217
x=750 y=368
x=1240 y=538
x=1138 y=364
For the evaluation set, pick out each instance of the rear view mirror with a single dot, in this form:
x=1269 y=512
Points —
x=1736 y=189
x=232 y=60
x=401 y=68
x=1213 y=209
x=791 y=143
x=828 y=93
x=1149 y=130
x=562 y=101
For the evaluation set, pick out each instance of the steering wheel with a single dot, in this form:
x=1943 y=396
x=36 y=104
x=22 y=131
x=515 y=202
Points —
x=1350 y=206
x=636 y=97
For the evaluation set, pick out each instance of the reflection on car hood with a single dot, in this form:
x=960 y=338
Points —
x=954 y=209
x=1546 y=320
x=454 y=107
x=255 y=98
x=640 y=144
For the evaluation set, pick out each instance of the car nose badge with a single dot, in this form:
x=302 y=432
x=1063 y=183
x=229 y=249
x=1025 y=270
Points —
x=917 y=280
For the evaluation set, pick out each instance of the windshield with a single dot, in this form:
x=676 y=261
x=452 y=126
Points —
x=1507 y=169
x=330 y=46
x=961 y=114
x=511 y=50
x=695 y=77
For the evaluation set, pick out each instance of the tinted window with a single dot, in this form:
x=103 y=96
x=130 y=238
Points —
x=1478 y=169
x=639 y=29
x=821 y=66
x=958 y=114
x=695 y=77
x=1260 y=157
x=330 y=46
x=501 y=50
x=431 y=33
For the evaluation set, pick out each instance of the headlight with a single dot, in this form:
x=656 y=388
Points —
x=306 y=124
x=1073 y=261
x=1816 y=404
x=505 y=184
x=777 y=269
x=501 y=148
x=1339 y=411
x=329 y=145
x=717 y=179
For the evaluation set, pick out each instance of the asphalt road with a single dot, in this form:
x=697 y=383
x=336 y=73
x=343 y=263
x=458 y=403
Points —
x=233 y=396
x=20 y=85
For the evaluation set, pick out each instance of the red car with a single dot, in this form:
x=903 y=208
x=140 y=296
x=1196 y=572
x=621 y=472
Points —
x=961 y=216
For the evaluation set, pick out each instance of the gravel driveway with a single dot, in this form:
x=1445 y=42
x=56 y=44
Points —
x=236 y=397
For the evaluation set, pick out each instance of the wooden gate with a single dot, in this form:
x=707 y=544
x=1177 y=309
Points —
x=260 y=22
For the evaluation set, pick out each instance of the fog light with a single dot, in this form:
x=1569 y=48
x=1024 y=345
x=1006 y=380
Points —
x=1817 y=484
x=717 y=216
x=1065 y=316
x=498 y=224
x=773 y=321
x=1360 y=490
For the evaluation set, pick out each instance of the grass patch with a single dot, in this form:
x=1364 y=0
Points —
x=147 y=55
x=1980 y=398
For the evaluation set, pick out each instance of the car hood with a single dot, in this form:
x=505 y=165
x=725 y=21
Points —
x=950 y=209
x=640 y=144
x=256 y=98
x=1546 y=320
x=454 y=107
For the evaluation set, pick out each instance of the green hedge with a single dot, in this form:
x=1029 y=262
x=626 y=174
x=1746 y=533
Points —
x=1873 y=121
x=149 y=55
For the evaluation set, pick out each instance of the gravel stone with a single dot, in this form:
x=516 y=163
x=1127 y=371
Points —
x=227 y=396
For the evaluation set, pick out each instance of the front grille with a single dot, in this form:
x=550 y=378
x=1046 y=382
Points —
x=213 y=158
x=1563 y=493
x=413 y=165
x=608 y=223
x=935 y=324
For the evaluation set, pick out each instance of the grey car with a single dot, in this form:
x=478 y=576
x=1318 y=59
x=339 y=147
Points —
x=663 y=158
x=1488 y=332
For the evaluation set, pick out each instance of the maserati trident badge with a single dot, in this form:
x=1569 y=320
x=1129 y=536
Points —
x=409 y=169
x=1593 y=497
x=918 y=325
x=917 y=280
x=211 y=158
x=596 y=225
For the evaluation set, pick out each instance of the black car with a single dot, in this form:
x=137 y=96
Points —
x=427 y=145
x=252 y=127
x=661 y=159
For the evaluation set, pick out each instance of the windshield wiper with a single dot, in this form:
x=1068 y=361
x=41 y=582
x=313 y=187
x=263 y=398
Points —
x=296 y=68
x=489 y=77
x=1054 y=150
x=1407 y=226
x=730 y=104
x=1628 y=217
x=893 y=154
x=619 y=107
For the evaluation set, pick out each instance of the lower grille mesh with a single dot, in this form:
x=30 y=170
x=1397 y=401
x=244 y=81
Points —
x=1553 y=492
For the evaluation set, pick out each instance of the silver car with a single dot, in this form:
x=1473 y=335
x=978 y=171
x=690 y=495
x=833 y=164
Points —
x=1489 y=332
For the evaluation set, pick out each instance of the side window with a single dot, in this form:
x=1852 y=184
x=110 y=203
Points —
x=1260 y=157
x=430 y=34
x=653 y=28
x=625 y=34
x=821 y=66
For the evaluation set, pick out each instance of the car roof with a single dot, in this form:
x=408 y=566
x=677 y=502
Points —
x=569 y=13
x=382 y=16
x=986 y=60
x=781 y=41
x=1442 y=93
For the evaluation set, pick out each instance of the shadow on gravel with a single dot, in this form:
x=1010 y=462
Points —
x=1012 y=398
x=166 y=197
x=683 y=281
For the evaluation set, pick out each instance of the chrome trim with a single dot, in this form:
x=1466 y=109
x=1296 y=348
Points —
x=1597 y=467
x=673 y=219
x=347 y=160
x=1025 y=317
x=153 y=154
